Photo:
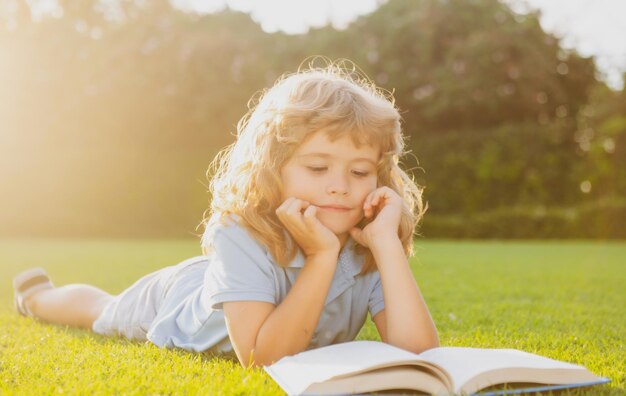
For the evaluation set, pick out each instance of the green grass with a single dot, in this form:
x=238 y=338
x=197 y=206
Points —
x=564 y=300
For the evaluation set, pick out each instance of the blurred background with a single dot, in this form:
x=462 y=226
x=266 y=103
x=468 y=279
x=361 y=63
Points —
x=112 y=110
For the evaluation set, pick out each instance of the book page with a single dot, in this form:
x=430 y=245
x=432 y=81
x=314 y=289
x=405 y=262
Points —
x=463 y=364
x=391 y=378
x=296 y=373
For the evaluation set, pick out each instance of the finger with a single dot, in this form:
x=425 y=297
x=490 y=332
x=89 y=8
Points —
x=310 y=215
x=310 y=211
x=283 y=207
x=293 y=216
x=376 y=200
x=370 y=196
x=367 y=205
x=382 y=194
x=373 y=201
x=281 y=211
x=295 y=208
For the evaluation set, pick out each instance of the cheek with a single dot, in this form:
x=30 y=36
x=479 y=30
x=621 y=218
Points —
x=289 y=180
x=363 y=191
x=367 y=188
x=295 y=184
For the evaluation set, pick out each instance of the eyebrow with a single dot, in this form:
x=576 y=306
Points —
x=325 y=155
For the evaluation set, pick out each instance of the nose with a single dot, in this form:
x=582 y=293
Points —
x=338 y=185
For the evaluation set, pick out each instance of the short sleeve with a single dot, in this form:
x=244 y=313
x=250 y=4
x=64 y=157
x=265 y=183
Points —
x=376 y=300
x=239 y=269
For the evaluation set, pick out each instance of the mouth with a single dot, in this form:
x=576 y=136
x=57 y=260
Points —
x=335 y=208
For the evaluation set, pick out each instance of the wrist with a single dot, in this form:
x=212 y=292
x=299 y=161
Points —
x=383 y=243
x=330 y=255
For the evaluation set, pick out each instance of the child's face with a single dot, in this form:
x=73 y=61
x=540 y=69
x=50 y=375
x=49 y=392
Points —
x=334 y=176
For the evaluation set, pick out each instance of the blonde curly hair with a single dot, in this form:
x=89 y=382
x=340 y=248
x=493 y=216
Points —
x=245 y=176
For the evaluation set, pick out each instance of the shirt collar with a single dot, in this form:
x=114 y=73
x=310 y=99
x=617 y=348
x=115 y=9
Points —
x=349 y=262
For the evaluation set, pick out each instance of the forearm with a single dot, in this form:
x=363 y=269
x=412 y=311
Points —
x=408 y=321
x=290 y=327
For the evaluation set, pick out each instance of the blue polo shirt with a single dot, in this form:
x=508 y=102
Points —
x=241 y=269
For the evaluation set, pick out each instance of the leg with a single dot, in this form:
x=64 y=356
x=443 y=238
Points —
x=73 y=305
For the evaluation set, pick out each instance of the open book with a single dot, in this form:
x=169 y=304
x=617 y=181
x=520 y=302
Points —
x=371 y=366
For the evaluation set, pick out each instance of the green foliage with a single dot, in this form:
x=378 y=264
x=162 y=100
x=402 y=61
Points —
x=109 y=121
x=491 y=168
x=601 y=141
x=459 y=64
x=561 y=299
x=603 y=219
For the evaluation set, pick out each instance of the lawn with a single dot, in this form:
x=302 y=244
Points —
x=561 y=299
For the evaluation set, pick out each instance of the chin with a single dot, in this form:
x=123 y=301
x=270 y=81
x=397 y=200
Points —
x=338 y=228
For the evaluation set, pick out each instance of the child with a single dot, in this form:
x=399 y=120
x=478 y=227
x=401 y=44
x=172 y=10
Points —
x=311 y=224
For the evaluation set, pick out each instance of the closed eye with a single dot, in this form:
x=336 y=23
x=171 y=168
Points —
x=360 y=174
x=319 y=169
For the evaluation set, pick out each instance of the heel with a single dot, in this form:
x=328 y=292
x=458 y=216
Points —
x=27 y=283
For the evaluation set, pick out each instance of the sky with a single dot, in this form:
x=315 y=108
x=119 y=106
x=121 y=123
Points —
x=592 y=27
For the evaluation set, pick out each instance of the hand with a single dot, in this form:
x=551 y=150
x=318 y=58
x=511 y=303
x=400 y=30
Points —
x=309 y=233
x=385 y=206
